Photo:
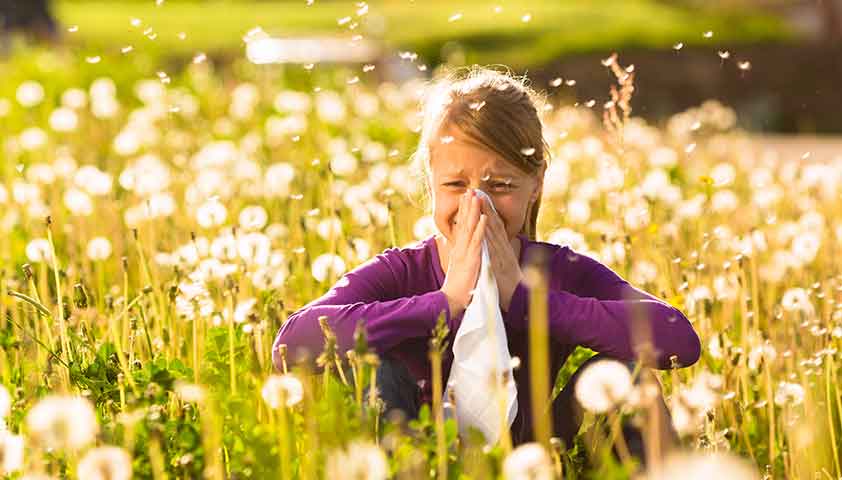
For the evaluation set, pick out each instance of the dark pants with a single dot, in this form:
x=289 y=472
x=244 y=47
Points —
x=399 y=391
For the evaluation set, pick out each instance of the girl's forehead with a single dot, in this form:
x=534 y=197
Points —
x=459 y=156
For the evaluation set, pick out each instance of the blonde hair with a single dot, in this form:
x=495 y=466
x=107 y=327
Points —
x=496 y=109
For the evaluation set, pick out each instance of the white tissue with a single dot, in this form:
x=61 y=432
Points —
x=481 y=357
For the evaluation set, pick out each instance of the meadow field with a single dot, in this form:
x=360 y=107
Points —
x=158 y=225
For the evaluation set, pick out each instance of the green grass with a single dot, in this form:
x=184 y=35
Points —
x=556 y=28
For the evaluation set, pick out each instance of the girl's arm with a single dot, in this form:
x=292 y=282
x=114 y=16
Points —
x=373 y=293
x=600 y=310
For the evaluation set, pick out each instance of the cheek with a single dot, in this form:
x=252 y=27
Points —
x=445 y=208
x=512 y=211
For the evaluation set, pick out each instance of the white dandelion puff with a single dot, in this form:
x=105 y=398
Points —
x=99 y=248
x=529 y=461
x=282 y=388
x=603 y=385
x=327 y=264
x=62 y=422
x=359 y=460
x=105 y=463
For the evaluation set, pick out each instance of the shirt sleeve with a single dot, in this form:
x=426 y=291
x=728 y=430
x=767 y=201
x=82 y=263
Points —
x=373 y=293
x=600 y=310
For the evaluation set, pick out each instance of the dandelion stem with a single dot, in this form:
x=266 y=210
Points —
x=539 y=356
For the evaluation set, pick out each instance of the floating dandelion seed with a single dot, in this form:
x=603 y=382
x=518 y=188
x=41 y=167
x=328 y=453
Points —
x=73 y=28
x=94 y=59
x=309 y=66
x=362 y=10
x=455 y=17
x=527 y=151
x=126 y=49
x=690 y=148
x=678 y=46
x=497 y=9
x=708 y=34
x=158 y=3
x=555 y=82
x=353 y=80
x=200 y=57
x=744 y=65
x=526 y=18
x=344 y=20
x=310 y=2
x=181 y=35
x=724 y=54
x=368 y=68
x=805 y=156
x=570 y=83
x=135 y=22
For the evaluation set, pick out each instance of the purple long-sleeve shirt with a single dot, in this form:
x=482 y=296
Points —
x=397 y=295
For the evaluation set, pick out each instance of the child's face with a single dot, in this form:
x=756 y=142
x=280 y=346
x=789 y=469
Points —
x=457 y=163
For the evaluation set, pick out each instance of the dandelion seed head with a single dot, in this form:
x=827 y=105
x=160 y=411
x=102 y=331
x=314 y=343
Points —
x=62 y=422
x=529 y=461
x=326 y=265
x=98 y=249
x=11 y=452
x=29 y=94
x=603 y=385
x=105 y=463
x=360 y=459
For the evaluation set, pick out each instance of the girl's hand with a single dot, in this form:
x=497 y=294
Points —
x=504 y=262
x=465 y=254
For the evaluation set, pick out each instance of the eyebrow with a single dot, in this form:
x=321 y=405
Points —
x=492 y=175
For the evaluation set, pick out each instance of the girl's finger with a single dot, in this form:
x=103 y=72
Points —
x=479 y=234
x=461 y=215
x=473 y=214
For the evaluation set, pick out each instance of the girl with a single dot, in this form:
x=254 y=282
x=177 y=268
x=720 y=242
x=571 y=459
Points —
x=483 y=131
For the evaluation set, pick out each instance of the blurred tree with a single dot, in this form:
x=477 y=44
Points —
x=30 y=17
x=831 y=10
